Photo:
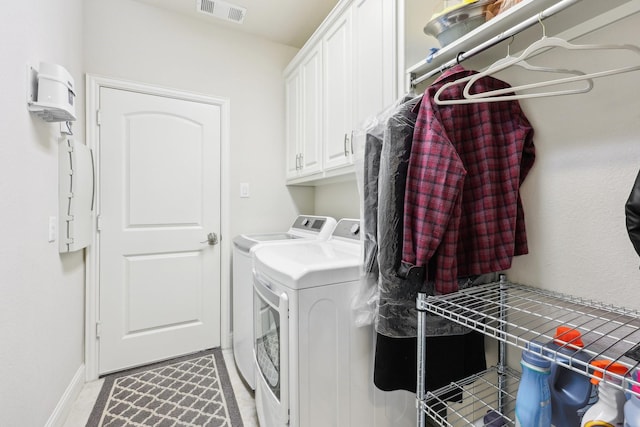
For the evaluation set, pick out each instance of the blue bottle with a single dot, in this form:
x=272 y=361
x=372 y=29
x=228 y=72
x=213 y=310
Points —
x=570 y=390
x=533 y=401
x=632 y=407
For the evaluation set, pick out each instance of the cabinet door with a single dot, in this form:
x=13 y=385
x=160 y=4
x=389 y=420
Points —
x=337 y=93
x=311 y=112
x=292 y=123
x=373 y=54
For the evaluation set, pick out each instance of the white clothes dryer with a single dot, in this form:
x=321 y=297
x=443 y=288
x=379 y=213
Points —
x=304 y=228
x=314 y=365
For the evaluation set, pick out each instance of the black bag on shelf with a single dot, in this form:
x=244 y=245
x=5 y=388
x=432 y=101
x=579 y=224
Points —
x=632 y=210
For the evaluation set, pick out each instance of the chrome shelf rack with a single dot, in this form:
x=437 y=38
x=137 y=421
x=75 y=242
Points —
x=526 y=317
x=494 y=389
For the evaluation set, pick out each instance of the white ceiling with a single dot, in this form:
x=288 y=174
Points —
x=289 y=22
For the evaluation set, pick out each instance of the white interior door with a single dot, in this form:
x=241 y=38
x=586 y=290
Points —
x=159 y=285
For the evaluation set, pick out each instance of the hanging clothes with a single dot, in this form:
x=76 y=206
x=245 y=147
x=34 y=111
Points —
x=396 y=319
x=368 y=143
x=382 y=155
x=394 y=163
x=449 y=359
x=462 y=213
x=372 y=150
x=463 y=221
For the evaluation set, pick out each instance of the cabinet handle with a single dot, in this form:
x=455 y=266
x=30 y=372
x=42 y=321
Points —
x=297 y=161
x=346 y=150
x=301 y=167
x=351 y=143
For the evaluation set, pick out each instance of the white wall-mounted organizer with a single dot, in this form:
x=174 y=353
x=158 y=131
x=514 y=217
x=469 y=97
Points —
x=51 y=93
x=523 y=317
x=76 y=189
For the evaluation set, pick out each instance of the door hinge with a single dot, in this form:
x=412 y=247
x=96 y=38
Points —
x=98 y=118
x=98 y=329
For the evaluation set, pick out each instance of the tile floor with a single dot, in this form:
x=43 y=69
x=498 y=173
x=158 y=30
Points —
x=83 y=405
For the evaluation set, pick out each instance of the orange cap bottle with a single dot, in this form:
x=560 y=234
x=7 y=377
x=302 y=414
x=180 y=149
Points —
x=607 y=366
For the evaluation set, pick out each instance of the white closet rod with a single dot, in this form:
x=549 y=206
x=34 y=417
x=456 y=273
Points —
x=550 y=11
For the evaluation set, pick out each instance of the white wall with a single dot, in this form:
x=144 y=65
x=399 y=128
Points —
x=340 y=200
x=588 y=155
x=41 y=291
x=133 y=41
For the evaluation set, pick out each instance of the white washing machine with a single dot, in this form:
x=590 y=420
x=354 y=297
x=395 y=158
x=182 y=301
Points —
x=304 y=228
x=314 y=365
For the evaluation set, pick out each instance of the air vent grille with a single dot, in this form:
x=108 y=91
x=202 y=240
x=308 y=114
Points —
x=236 y=14
x=221 y=10
x=207 y=6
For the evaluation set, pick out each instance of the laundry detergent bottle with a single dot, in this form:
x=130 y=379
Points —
x=533 y=401
x=608 y=411
x=570 y=390
x=632 y=407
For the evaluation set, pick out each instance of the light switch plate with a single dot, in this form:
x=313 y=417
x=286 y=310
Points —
x=244 y=189
x=53 y=228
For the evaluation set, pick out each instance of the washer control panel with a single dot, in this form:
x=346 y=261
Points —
x=310 y=223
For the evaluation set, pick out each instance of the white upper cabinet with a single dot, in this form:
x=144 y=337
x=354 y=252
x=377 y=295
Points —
x=303 y=91
x=292 y=123
x=374 y=58
x=357 y=45
x=338 y=87
x=311 y=142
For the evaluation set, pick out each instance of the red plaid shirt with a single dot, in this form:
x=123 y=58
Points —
x=462 y=213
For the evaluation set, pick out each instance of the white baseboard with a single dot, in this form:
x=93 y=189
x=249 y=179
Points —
x=65 y=403
x=227 y=341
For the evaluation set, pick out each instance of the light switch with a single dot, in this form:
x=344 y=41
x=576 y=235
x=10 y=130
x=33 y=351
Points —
x=244 y=189
x=53 y=228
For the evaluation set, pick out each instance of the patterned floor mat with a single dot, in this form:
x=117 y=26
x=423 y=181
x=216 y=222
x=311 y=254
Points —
x=191 y=391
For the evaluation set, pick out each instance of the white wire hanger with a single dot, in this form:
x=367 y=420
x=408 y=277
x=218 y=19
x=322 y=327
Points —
x=544 y=43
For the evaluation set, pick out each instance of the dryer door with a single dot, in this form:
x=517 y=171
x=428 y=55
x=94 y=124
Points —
x=271 y=318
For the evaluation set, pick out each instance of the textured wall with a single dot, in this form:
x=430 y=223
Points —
x=41 y=291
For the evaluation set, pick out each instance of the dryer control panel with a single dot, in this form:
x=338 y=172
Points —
x=347 y=228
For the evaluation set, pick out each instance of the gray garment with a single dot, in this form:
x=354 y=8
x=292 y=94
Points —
x=395 y=306
x=372 y=149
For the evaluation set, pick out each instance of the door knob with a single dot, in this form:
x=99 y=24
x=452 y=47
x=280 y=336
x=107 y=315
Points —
x=212 y=239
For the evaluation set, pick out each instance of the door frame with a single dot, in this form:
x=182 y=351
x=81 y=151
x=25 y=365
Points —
x=92 y=255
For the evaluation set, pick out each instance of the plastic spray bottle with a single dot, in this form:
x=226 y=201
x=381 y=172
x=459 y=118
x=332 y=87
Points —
x=608 y=411
x=632 y=407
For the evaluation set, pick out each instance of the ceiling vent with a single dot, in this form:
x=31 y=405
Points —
x=221 y=10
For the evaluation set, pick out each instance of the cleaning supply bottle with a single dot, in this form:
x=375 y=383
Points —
x=632 y=407
x=570 y=390
x=533 y=401
x=608 y=411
